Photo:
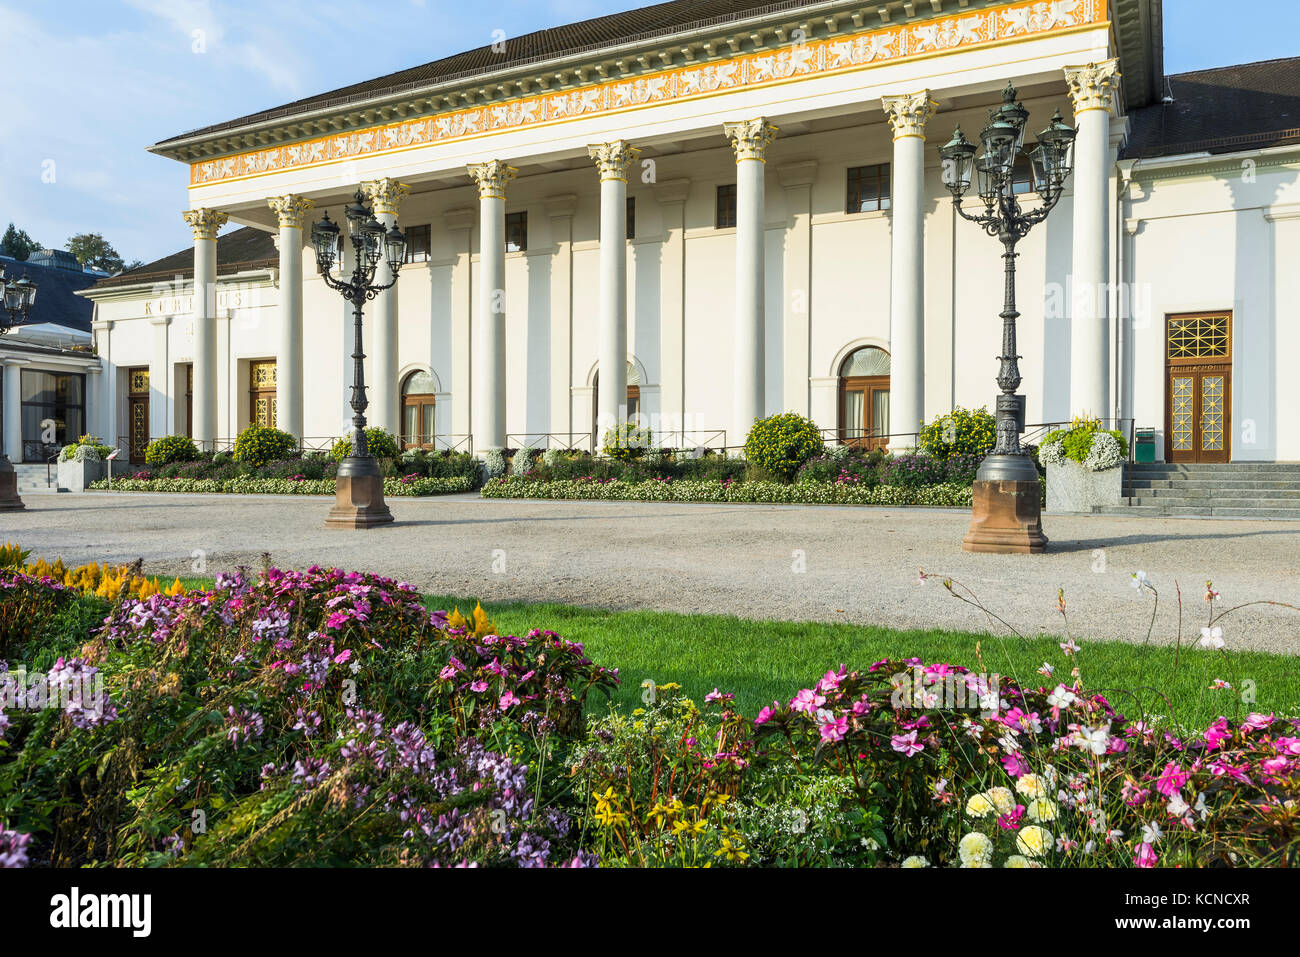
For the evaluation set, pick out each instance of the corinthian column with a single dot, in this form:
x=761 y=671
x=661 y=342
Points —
x=290 y=209
x=907 y=118
x=205 y=223
x=386 y=197
x=749 y=141
x=1092 y=90
x=612 y=160
x=489 y=380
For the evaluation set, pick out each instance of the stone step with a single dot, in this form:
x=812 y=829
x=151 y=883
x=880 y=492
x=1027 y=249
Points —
x=1198 y=511
x=31 y=478
x=1183 y=490
x=1208 y=483
x=1217 y=501
x=1199 y=467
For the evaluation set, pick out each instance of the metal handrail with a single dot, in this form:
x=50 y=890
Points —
x=440 y=443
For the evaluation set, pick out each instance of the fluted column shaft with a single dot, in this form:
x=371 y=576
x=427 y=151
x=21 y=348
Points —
x=1092 y=89
x=489 y=379
x=386 y=197
x=205 y=224
x=612 y=160
x=291 y=211
x=907 y=117
x=749 y=142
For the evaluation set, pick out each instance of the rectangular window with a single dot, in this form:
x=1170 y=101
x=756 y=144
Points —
x=726 y=214
x=50 y=398
x=631 y=217
x=1022 y=175
x=516 y=232
x=868 y=189
x=417 y=243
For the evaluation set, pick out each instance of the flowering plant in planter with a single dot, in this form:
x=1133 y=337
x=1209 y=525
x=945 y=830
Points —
x=1086 y=443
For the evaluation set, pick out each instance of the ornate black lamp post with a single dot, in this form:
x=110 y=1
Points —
x=1007 y=510
x=359 y=502
x=16 y=298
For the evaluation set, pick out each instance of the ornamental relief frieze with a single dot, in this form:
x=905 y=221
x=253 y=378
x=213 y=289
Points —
x=795 y=60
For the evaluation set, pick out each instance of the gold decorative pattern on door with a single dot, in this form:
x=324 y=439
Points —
x=138 y=412
x=1199 y=395
x=261 y=393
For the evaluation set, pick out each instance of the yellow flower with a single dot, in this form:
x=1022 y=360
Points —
x=732 y=852
x=1031 y=786
x=1041 y=809
x=979 y=806
x=1034 y=841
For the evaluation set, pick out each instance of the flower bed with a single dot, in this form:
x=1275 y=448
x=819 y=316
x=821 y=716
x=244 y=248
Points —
x=327 y=718
x=806 y=493
x=407 y=486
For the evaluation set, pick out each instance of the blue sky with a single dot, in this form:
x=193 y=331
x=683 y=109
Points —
x=93 y=82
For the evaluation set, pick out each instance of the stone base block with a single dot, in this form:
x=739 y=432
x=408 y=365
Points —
x=9 y=498
x=1006 y=519
x=359 y=503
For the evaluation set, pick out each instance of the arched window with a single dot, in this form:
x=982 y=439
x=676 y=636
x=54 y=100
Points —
x=418 y=402
x=864 y=398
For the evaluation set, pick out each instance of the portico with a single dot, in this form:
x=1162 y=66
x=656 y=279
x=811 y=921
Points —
x=613 y=207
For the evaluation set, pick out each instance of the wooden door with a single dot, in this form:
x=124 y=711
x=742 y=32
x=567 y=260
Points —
x=138 y=414
x=1198 y=396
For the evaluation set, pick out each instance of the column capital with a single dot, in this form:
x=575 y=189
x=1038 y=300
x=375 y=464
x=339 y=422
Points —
x=613 y=158
x=290 y=209
x=750 y=138
x=1093 y=85
x=385 y=195
x=492 y=178
x=205 y=222
x=909 y=112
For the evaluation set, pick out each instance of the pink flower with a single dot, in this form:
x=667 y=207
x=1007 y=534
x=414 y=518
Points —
x=906 y=744
x=1015 y=764
x=766 y=714
x=1171 y=780
x=507 y=700
x=807 y=701
x=1009 y=822
x=1145 y=856
x=1217 y=733
x=834 y=728
x=478 y=687
x=1257 y=722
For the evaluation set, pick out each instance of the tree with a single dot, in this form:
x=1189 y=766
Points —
x=18 y=244
x=93 y=250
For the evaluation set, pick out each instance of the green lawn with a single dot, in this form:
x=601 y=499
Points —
x=764 y=660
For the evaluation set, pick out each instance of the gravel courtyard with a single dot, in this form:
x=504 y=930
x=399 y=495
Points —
x=790 y=562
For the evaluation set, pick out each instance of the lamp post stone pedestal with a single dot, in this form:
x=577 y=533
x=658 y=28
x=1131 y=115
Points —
x=10 y=500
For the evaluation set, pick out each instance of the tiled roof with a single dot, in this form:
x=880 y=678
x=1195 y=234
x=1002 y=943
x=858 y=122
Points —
x=573 y=38
x=1224 y=110
x=237 y=250
x=56 y=299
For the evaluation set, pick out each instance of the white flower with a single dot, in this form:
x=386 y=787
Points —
x=1041 y=810
x=1002 y=799
x=915 y=860
x=980 y=805
x=1062 y=697
x=1030 y=785
x=1053 y=453
x=975 y=850
x=1034 y=841
x=1200 y=807
x=1047 y=670
x=1177 y=806
x=1142 y=583
x=1212 y=637
x=1151 y=833
x=1104 y=453
x=1019 y=861
x=1069 y=647
x=1096 y=740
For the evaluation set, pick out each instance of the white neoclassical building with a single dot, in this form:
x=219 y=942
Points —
x=702 y=212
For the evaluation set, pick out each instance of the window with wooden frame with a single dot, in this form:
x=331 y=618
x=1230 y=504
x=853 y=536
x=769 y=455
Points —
x=725 y=215
x=417 y=243
x=868 y=189
x=418 y=406
x=516 y=232
x=864 y=398
x=261 y=393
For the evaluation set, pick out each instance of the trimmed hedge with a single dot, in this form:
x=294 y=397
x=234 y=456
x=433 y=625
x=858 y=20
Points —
x=807 y=493
x=244 y=485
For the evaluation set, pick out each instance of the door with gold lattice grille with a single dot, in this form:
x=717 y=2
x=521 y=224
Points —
x=1198 y=401
x=138 y=413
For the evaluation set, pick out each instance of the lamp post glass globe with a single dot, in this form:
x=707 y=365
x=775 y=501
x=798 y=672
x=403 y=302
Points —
x=16 y=299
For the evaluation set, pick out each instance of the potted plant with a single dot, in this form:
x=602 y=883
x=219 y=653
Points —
x=81 y=463
x=1085 y=466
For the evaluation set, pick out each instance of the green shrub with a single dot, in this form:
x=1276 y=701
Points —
x=627 y=441
x=523 y=461
x=494 y=463
x=959 y=432
x=259 y=444
x=379 y=441
x=169 y=449
x=1076 y=444
x=780 y=444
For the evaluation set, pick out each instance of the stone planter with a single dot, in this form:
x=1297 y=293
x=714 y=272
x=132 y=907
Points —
x=77 y=476
x=1073 y=488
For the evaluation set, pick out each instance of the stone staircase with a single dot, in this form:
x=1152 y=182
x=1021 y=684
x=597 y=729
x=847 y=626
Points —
x=31 y=478
x=1236 y=490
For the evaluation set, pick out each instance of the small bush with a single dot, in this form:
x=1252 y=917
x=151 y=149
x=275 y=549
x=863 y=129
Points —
x=913 y=471
x=780 y=444
x=627 y=441
x=523 y=461
x=169 y=449
x=379 y=442
x=960 y=432
x=259 y=444
x=494 y=463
